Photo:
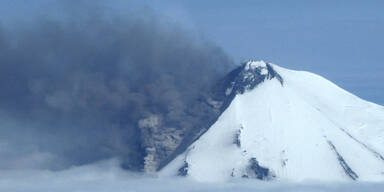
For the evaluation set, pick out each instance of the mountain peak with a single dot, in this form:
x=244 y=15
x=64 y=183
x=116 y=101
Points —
x=251 y=74
x=302 y=127
x=255 y=64
x=260 y=68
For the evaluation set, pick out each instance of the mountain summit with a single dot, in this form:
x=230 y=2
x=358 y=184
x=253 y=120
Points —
x=282 y=124
x=250 y=75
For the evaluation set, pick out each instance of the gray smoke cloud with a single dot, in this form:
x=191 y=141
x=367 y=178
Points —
x=81 y=87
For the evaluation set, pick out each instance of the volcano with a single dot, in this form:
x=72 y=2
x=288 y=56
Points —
x=281 y=124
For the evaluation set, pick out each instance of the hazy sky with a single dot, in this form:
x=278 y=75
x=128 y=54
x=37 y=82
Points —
x=341 y=40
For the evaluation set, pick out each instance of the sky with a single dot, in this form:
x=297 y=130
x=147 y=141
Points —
x=340 y=40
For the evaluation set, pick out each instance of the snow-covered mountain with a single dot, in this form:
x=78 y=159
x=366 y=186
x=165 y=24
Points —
x=287 y=125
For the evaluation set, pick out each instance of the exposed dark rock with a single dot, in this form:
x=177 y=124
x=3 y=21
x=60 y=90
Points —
x=183 y=171
x=274 y=74
x=233 y=172
x=348 y=171
x=254 y=170
x=210 y=105
x=236 y=139
x=375 y=153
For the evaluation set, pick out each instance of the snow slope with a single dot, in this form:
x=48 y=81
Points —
x=297 y=127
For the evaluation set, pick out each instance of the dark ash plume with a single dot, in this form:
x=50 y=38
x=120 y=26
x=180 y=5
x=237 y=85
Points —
x=96 y=86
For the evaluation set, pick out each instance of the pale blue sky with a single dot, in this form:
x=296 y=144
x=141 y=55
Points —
x=340 y=40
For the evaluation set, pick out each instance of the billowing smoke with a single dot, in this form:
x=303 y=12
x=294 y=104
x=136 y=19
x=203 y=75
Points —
x=80 y=88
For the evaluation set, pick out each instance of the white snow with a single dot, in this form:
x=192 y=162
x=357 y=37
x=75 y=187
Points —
x=251 y=65
x=287 y=129
x=255 y=64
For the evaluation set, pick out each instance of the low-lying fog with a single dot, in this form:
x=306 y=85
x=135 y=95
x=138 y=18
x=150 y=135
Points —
x=106 y=176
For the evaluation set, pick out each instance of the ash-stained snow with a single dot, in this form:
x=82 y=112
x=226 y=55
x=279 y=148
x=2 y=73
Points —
x=288 y=129
x=255 y=64
x=261 y=65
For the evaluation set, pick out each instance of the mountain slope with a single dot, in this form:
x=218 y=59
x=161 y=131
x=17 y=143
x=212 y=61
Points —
x=292 y=125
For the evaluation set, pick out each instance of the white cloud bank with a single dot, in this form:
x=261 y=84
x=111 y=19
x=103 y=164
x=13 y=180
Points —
x=108 y=177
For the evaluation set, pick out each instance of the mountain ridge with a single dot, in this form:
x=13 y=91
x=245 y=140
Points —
x=244 y=77
x=294 y=125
